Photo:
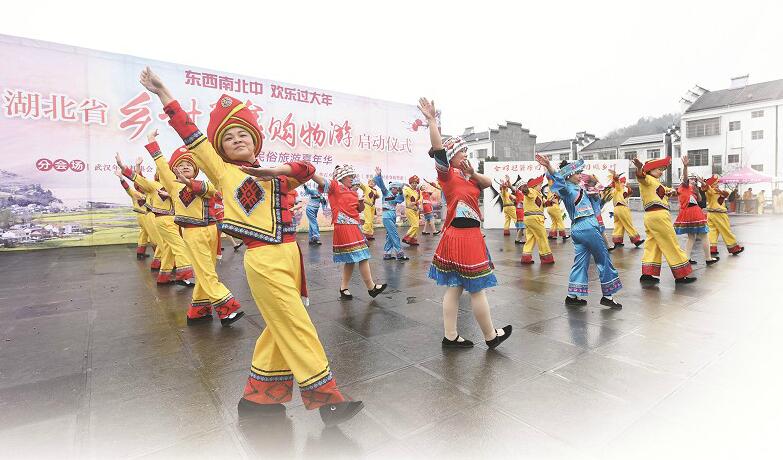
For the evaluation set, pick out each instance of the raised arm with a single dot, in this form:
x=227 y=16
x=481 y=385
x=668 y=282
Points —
x=298 y=172
x=427 y=109
x=167 y=177
x=145 y=184
x=379 y=181
x=685 y=162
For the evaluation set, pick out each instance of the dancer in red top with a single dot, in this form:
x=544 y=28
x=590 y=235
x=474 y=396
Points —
x=691 y=220
x=348 y=241
x=461 y=260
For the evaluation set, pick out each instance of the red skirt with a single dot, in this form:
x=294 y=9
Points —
x=691 y=220
x=462 y=259
x=349 y=244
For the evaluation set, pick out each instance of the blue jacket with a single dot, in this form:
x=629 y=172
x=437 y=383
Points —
x=390 y=201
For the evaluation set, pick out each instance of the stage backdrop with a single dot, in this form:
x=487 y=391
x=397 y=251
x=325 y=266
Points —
x=66 y=111
x=521 y=171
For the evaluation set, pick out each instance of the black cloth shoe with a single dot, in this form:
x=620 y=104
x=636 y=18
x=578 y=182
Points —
x=649 y=279
x=686 y=280
x=574 y=301
x=620 y=244
x=402 y=258
x=566 y=237
x=247 y=408
x=494 y=343
x=612 y=248
x=377 y=289
x=738 y=252
x=714 y=253
x=388 y=257
x=693 y=262
x=611 y=303
x=456 y=343
x=187 y=283
x=425 y=233
x=345 y=294
x=334 y=414
x=519 y=242
x=238 y=245
x=713 y=261
x=140 y=256
x=437 y=233
x=227 y=321
x=639 y=243
x=199 y=320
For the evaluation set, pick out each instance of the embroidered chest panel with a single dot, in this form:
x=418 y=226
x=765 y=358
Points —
x=249 y=194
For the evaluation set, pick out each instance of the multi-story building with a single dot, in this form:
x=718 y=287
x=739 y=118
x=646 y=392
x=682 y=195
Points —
x=735 y=127
x=566 y=149
x=507 y=142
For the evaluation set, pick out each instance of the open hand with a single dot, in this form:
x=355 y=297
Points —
x=261 y=173
x=466 y=167
x=182 y=179
x=427 y=109
x=151 y=81
x=685 y=160
x=151 y=136
x=119 y=161
x=543 y=161
x=377 y=170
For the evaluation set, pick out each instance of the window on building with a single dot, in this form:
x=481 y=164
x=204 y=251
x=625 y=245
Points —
x=757 y=135
x=759 y=168
x=632 y=173
x=630 y=155
x=565 y=157
x=677 y=151
x=733 y=158
x=587 y=157
x=734 y=125
x=702 y=128
x=699 y=157
x=481 y=153
x=757 y=114
x=653 y=153
x=717 y=164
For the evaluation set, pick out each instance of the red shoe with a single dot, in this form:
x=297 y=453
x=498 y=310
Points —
x=155 y=265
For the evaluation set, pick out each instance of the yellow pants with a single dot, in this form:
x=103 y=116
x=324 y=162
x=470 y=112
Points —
x=623 y=223
x=662 y=241
x=413 y=220
x=535 y=233
x=167 y=260
x=289 y=347
x=558 y=226
x=369 y=220
x=152 y=234
x=144 y=237
x=201 y=244
x=510 y=213
x=719 y=226
x=169 y=233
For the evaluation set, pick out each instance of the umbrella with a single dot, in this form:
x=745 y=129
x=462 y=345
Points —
x=745 y=175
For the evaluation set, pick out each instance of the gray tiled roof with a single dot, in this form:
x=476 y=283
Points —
x=476 y=136
x=649 y=139
x=603 y=144
x=758 y=92
x=553 y=145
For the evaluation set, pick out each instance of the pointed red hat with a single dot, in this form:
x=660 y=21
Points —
x=649 y=165
x=535 y=181
x=229 y=113
x=180 y=155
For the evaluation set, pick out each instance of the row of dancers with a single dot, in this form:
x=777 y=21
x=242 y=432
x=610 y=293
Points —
x=253 y=203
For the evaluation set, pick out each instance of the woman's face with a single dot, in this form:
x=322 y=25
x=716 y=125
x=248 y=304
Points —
x=575 y=178
x=657 y=172
x=186 y=169
x=458 y=157
x=238 y=145
x=347 y=181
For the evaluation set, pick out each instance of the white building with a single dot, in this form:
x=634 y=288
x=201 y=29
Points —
x=566 y=149
x=736 y=127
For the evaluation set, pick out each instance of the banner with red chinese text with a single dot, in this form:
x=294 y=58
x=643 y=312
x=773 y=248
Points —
x=66 y=111
x=521 y=171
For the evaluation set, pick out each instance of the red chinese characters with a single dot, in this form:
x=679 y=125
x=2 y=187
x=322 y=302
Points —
x=137 y=114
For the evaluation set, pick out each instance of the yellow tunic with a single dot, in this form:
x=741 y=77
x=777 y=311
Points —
x=718 y=221
x=535 y=231
x=623 y=222
x=412 y=199
x=509 y=209
x=370 y=195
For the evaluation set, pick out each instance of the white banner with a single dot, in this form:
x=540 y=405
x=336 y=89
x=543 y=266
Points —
x=522 y=171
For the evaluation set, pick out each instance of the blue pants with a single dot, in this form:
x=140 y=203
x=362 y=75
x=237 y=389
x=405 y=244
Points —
x=312 y=217
x=393 y=244
x=586 y=235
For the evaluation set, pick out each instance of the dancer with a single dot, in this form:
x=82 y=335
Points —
x=552 y=204
x=197 y=225
x=392 y=196
x=519 y=199
x=462 y=260
x=256 y=211
x=691 y=220
x=437 y=205
x=623 y=223
x=718 y=219
x=314 y=202
x=174 y=252
x=427 y=210
x=661 y=239
x=348 y=242
x=371 y=195
x=507 y=198
x=412 y=204
x=586 y=235
x=601 y=196
x=535 y=231
x=138 y=200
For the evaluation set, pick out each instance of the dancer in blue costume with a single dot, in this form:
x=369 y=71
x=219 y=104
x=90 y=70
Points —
x=585 y=233
x=392 y=196
x=316 y=200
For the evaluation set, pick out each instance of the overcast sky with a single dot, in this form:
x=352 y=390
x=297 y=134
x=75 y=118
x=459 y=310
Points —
x=558 y=67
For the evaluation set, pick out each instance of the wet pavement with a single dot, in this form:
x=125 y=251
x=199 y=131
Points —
x=97 y=362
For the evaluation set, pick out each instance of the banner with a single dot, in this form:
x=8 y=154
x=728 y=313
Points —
x=521 y=171
x=66 y=111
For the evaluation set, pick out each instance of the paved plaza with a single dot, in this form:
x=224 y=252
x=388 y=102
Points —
x=96 y=361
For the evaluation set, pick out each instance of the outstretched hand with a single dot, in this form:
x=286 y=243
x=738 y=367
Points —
x=685 y=160
x=427 y=109
x=182 y=179
x=637 y=163
x=118 y=173
x=151 y=81
x=467 y=167
x=377 y=170
x=118 y=159
x=543 y=161
x=261 y=173
x=151 y=136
